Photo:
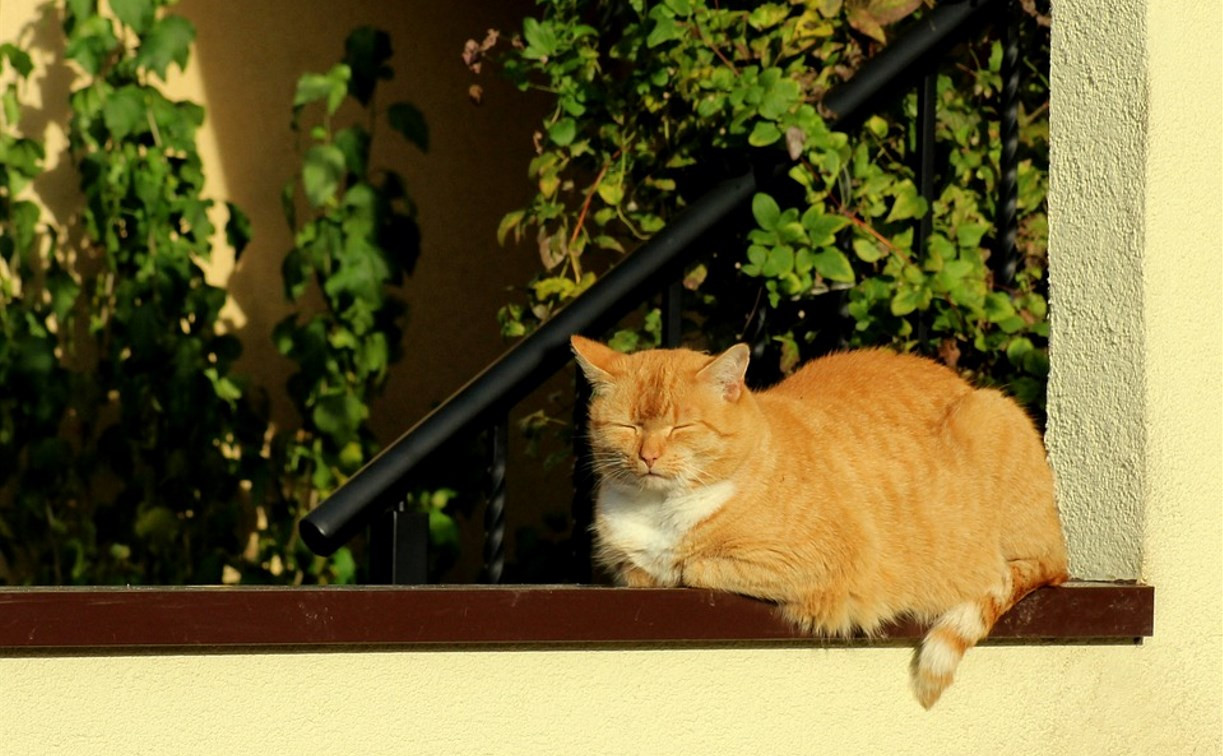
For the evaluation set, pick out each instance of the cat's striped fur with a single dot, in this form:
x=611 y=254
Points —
x=865 y=487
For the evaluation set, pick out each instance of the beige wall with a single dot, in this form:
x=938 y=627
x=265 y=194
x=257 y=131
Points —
x=1138 y=421
x=244 y=68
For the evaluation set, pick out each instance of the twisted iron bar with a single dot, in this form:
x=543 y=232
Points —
x=927 y=112
x=494 y=508
x=1006 y=265
x=583 y=483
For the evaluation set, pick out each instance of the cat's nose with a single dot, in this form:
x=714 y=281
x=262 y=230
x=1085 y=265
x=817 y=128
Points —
x=649 y=456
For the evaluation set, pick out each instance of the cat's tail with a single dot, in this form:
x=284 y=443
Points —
x=961 y=627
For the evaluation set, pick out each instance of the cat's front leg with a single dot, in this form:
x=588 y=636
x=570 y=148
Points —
x=738 y=574
x=635 y=577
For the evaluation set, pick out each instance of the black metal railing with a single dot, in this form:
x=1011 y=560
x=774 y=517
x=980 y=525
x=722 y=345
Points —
x=378 y=487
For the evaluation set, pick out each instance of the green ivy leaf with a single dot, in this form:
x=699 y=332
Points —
x=908 y=203
x=359 y=277
x=19 y=59
x=665 y=28
x=540 y=38
x=331 y=86
x=995 y=56
x=354 y=142
x=339 y=416
x=763 y=134
x=1018 y=349
x=508 y=223
x=782 y=96
x=64 y=292
x=779 y=262
x=624 y=341
x=138 y=14
x=906 y=301
x=158 y=525
x=91 y=41
x=373 y=355
x=168 y=41
x=998 y=307
x=968 y=235
x=756 y=256
x=766 y=211
x=11 y=107
x=443 y=530
x=767 y=15
x=821 y=227
x=124 y=112
x=322 y=172
x=603 y=241
x=831 y=263
x=562 y=132
x=225 y=389
x=407 y=119
x=868 y=250
x=344 y=566
x=611 y=191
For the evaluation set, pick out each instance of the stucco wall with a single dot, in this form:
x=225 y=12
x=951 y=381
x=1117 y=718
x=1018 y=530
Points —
x=1098 y=123
x=1138 y=426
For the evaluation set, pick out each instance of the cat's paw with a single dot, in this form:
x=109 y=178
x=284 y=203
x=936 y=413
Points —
x=635 y=577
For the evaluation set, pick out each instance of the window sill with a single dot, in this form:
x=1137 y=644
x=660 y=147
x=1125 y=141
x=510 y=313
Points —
x=101 y=618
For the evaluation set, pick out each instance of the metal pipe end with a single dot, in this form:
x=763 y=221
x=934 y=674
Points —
x=314 y=537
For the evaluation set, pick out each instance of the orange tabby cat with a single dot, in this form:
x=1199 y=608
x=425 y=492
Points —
x=866 y=486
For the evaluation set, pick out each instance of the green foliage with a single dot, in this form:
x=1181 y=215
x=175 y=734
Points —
x=357 y=238
x=649 y=99
x=36 y=296
x=124 y=431
x=130 y=450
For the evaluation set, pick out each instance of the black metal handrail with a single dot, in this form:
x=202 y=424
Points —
x=642 y=273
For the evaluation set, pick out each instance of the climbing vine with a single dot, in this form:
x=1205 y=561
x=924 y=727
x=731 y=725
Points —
x=131 y=451
x=650 y=100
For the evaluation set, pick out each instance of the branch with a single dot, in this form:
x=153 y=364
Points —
x=701 y=33
x=590 y=193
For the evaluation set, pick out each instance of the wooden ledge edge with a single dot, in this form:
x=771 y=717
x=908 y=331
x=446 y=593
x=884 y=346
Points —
x=100 y=618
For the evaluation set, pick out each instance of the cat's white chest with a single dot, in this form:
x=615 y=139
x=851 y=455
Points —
x=647 y=526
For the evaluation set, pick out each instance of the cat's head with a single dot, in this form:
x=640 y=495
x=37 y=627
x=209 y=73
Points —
x=667 y=420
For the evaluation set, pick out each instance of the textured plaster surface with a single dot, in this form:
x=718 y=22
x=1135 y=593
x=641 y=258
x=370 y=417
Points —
x=1006 y=700
x=1162 y=426
x=1098 y=127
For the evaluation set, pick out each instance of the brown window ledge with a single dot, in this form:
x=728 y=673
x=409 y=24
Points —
x=240 y=616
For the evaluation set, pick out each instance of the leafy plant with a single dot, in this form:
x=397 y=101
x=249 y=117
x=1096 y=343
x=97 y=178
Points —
x=124 y=431
x=182 y=437
x=36 y=297
x=650 y=99
x=130 y=451
x=357 y=238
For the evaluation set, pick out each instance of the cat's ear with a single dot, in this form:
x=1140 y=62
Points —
x=597 y=361
x=727 y=370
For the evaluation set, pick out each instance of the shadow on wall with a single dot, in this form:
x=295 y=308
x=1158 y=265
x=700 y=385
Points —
x=249 y=57
x=56 y=188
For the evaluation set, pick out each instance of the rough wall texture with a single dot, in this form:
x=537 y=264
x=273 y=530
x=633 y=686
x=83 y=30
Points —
x=1155 y=414
x=1098 y=123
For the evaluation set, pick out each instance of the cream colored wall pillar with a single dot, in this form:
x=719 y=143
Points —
x=1098 y=133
